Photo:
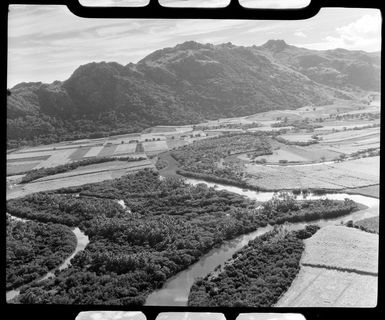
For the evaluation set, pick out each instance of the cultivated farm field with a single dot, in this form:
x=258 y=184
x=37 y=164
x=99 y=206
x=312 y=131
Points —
x=125 y=148
x=351 y=135
x=316 y=287
x=20 y=167
x=342 y=248
x=79 y=153
x=339 y=175
x=304 y=137
x=93 y=152
x=81 y=175
x=155 y=146
x=312 y=153
x=337 y=263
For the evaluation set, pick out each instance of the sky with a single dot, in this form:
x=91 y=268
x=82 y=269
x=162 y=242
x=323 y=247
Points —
x=47 y=42
x=110 y=315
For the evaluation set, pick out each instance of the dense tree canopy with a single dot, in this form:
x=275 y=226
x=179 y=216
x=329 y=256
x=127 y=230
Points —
x=257 y=275
x=207 y=158
x=34 y=248
x=166 y=226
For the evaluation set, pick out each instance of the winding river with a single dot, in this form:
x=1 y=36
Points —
x=176 y=290
x=82 y=241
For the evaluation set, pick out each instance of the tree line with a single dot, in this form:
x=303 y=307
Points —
x=43 y=172
x=257 y=275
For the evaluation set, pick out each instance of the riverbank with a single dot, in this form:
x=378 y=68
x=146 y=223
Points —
x=173 y=170
x=176 y=290
x=253 y=195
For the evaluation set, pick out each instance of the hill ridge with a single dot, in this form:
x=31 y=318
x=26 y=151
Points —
x=185 y=84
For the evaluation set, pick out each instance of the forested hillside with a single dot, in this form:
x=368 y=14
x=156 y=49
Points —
x=185 y=84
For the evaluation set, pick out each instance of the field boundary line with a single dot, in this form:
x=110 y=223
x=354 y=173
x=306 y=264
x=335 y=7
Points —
x=323 y=266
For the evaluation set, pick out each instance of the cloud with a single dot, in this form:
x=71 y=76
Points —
x=300 y=34
x=362 y=34
x=368 y=26
x=48 y=42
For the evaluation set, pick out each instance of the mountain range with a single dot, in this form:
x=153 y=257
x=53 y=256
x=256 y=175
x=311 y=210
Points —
x=185 y=84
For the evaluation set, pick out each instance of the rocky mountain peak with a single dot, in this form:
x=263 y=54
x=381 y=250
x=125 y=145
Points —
x=276 y=45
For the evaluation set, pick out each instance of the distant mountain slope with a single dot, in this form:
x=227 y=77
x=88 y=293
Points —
x=185 y=84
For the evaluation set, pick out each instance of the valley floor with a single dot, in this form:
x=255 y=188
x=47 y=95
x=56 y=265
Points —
x=315 y=166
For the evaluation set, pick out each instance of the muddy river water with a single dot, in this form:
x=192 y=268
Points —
x=175 y=291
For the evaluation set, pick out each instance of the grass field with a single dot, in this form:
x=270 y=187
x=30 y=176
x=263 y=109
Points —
x=304 y=137
x=93 y=152
x=20 y=167
x=23 y=158
x=159 y=129
x=312 y=153
x=324 y=279
x=108 y=150
x=355 y=135
x=80 y=176
x=268 y=128
x=316 y=287
x=343 y=124
x=346 y=174
x=155 y=146
x=370 y=191
x=342 y=248
x=273 y=115
x=57 y=158
x=98 y=167
x=79 y=153
x=125 y=148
